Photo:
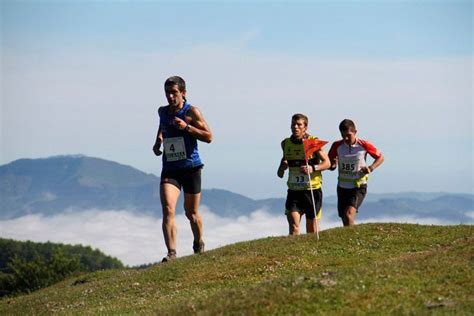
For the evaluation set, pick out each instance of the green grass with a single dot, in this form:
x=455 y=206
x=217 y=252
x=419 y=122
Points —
x=396 y=269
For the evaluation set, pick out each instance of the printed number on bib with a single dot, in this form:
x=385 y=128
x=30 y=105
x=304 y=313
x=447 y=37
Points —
x=299 y=179
x=350 y=167
x=174 y=148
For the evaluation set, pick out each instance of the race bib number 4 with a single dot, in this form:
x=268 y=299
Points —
x=174 y=148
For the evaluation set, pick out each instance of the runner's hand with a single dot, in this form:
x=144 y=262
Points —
x=282 y=168
x=179 y=123
x=333 y=164
x=156 y=149
x=306 y=169
x=365 y=170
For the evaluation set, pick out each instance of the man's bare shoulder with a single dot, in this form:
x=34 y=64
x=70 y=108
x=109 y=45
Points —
x=194 y=112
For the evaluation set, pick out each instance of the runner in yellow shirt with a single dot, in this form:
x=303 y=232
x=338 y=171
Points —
x=300 y=186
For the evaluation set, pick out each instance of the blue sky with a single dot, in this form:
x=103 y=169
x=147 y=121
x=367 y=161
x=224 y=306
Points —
x=86 y=77
x=370 y=29
x=364 y=29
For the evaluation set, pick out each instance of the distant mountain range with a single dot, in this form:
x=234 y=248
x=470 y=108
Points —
x=56 y=184
x=53 y=185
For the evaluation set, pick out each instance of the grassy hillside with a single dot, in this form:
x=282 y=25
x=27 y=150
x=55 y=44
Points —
x=373 y=268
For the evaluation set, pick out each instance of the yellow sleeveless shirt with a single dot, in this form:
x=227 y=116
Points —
x=294 y=154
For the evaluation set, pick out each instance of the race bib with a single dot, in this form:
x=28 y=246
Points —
x=350 y=167
x=174 y=148
x=298 y=179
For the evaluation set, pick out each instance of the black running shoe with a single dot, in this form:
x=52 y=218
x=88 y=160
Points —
x=198 y=247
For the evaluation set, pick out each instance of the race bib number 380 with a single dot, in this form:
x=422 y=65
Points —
x=174 y=148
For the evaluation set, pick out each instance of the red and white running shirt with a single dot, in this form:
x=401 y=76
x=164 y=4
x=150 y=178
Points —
x=350 y=159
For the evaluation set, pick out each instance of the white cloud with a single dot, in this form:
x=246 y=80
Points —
x=137 y=239
x=130 y=237
x=470 y=214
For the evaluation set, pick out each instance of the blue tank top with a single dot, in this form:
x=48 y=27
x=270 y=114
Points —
x=180 y=149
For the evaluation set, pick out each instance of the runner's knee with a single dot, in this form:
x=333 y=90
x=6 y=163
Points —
x=193 y=216
x=350 y=210
x=168 y=212
x=294 y=228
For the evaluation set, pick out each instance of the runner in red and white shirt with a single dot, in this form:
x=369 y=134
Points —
x=349 y=155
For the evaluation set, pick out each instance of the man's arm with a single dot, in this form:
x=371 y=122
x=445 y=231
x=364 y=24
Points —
x=323 y=164
x=159 y=139
x=374 y=153
x=283 y=163
x=197 y=127
x=333 y=156
x=377 y=162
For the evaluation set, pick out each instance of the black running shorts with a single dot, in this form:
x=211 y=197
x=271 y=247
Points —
x=188 y=179
x=350 y=197
x=300 y=201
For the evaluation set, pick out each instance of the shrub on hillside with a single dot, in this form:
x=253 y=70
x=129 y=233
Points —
x=28 y=266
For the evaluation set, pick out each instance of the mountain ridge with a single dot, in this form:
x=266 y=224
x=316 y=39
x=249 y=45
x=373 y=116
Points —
x=76 y=182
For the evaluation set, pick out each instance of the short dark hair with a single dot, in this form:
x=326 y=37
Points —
x=299 y=116
x=346 y=125
x=176 y=80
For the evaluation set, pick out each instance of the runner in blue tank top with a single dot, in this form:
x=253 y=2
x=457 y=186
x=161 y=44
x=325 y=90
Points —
x=181 y=126
x=181 y=149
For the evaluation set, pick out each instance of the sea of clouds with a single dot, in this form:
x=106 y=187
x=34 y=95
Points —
x=137 y=239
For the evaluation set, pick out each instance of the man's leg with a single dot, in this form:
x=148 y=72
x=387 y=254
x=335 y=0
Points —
x=294 y=219
x=345 y=205
x=349 y=218
x=345 y=221
x=191 y=207
x=169 y=196
x=311 y=225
